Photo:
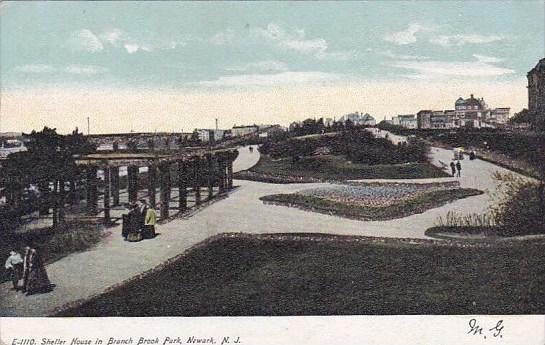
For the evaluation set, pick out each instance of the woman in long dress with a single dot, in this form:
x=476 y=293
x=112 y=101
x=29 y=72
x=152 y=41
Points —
x=135 y=232
x=37 y=279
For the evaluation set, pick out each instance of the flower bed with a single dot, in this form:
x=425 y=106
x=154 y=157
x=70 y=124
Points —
x=372 y=201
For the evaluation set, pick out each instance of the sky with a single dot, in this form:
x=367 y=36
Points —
x=176 y=66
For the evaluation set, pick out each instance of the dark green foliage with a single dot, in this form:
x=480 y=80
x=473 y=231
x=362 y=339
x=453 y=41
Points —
x=358 y=145
x=333 y=168
x=254 y=276
x=521 y=117
x=521 y=207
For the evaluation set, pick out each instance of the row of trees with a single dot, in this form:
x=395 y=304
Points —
x=312 y=126
x=47 y=164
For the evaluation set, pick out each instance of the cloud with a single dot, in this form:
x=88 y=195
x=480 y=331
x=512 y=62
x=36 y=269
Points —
x=35 y=68
x=84 y=40
x=261 y=66
x=284 y=78
x=132 y=48
x=313 y=46
x=460 y=40
x=406 y=37
x=114 y=36
x=393 y=55
x=223 y=37
x=441 y=69
x=85 y=69
x=487 y=59
x=336 y=55
x=295 y=40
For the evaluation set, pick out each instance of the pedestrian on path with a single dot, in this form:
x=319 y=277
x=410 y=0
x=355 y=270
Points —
x=459 y=169
x=134 y=218
x=37 y=279
x=149 y=224
x=142 y=210
x=453 y=168
x=14 y=264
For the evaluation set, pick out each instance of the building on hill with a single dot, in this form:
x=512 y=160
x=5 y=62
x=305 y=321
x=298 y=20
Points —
x=467 y=113
x=405 y=121
x=536 y=95
x=474 y=112
x=423 y=119
x=359 y=119
x=240 y=131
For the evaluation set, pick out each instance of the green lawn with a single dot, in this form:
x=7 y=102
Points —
x=333 y=168
x=400 y=209
x=267 y=275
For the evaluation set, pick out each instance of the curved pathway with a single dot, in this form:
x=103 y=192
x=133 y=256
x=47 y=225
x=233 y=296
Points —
x=81 y=275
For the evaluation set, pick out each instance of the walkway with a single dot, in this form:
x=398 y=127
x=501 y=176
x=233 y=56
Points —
x=81 y=275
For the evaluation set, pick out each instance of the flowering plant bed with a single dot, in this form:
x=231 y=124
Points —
x=378 y=202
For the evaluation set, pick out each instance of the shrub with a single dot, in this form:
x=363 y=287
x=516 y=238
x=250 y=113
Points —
x=520 y=208
x=78 y=238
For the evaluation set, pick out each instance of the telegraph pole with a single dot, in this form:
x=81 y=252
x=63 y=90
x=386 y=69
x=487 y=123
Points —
x=88 y=126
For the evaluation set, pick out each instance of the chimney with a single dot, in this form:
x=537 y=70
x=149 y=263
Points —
x=471 y=96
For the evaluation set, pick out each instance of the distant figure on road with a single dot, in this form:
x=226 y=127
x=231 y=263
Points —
x=472 y=155
x=14 y=264
x=251 y=149
x=453 y=168
x=37 y=279
x=459 y=169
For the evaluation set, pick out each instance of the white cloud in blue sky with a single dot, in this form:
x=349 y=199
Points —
x=204 y=46
x=147 y=43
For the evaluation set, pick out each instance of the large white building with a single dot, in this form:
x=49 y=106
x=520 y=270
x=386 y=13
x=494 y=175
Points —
x=239 y=131
x=359 y=119
x=405 y=121
x=469 y=113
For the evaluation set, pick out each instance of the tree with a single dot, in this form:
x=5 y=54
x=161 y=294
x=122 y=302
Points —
x=522 y=116
x=50 y=159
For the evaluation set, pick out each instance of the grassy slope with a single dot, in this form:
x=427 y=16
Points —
x=252 y=276
x=337 y=168
x=398 y=210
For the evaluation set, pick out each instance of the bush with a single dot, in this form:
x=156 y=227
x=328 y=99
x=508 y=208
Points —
x=76 y=239
x=520 y=209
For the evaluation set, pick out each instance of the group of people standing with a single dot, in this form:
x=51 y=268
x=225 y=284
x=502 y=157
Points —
x=30 y=269
x=456 y=169
x=139 y=223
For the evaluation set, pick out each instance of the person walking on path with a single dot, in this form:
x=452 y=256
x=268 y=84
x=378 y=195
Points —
x=37 y=280
x=149 y=224
x=459 y=169
x=453 y=168
x=14 y=264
